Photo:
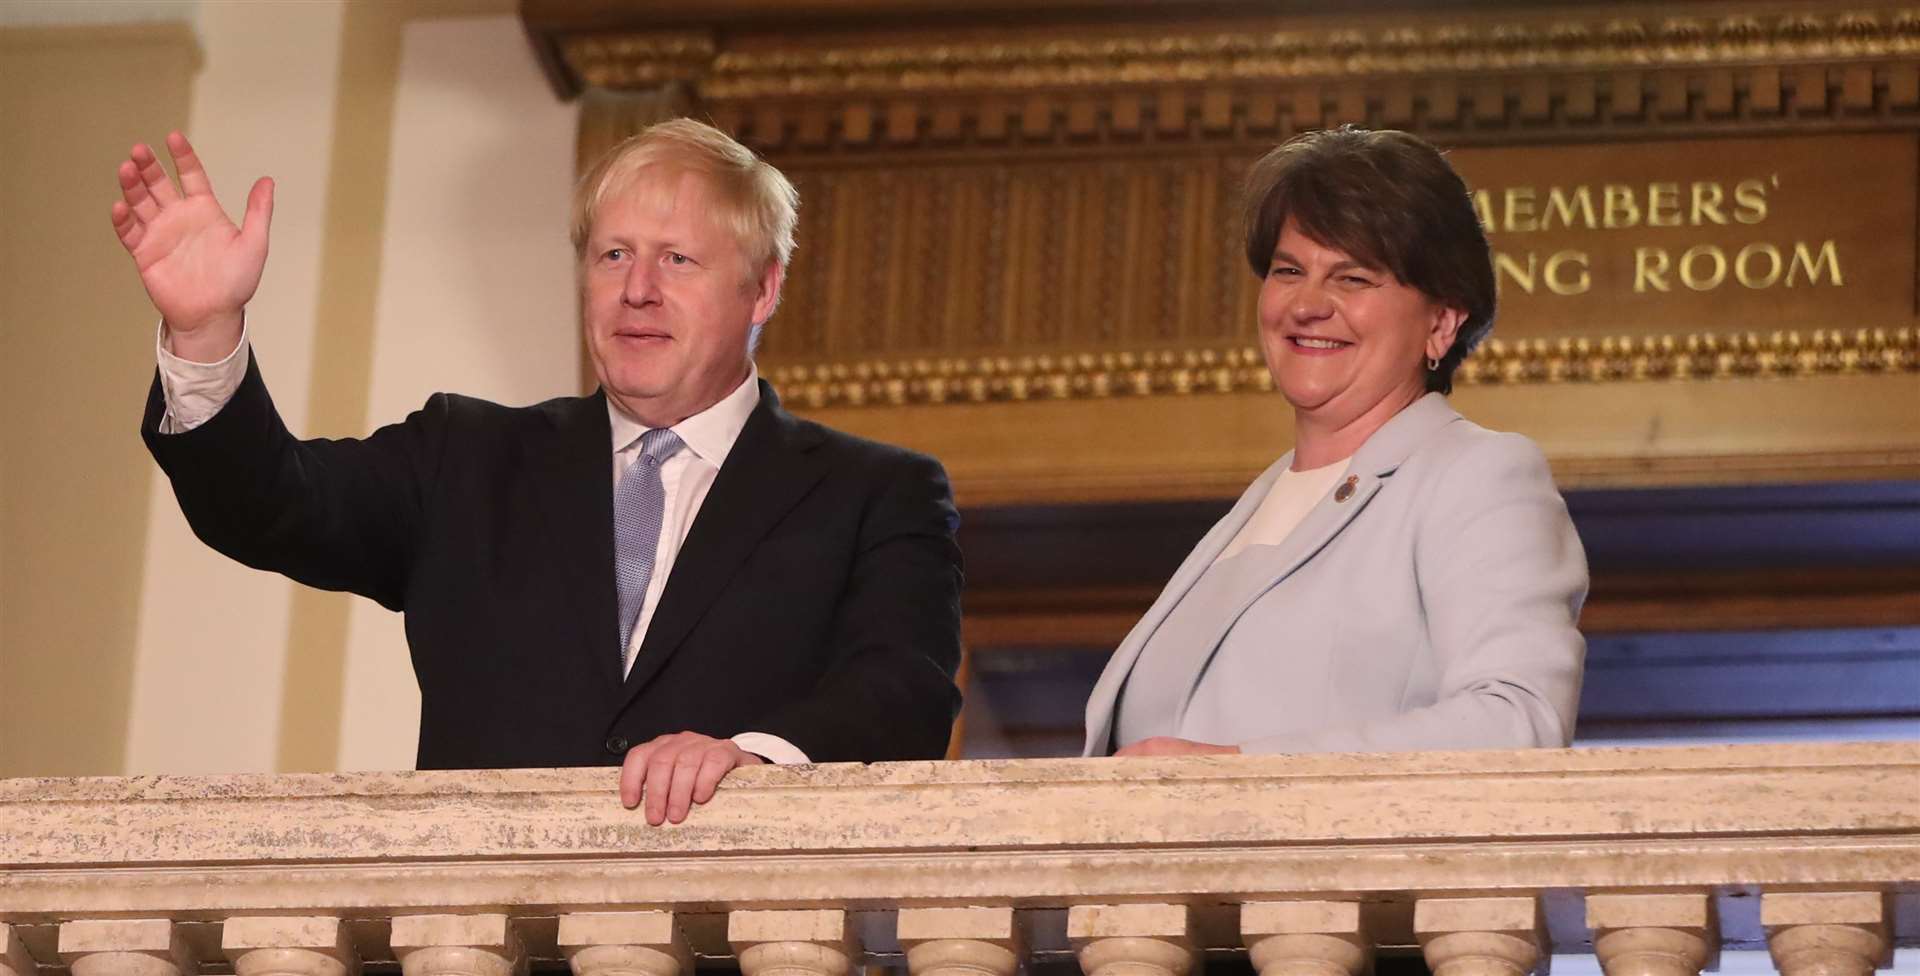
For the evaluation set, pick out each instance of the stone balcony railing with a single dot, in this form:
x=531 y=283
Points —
x=1653 y=859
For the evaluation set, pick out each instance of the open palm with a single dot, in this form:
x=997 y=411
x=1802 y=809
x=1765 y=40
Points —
x=198 y=268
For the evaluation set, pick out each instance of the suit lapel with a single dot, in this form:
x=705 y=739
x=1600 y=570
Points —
x=770 y=468
x=577 y=503
x=1376 y=461
x=1372 y=465
x=1106 y=691
x=1322 y=524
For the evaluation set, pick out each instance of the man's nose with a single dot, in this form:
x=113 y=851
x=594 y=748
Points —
x=642 y=285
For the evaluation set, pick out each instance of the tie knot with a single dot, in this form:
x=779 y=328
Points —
x=660 y=444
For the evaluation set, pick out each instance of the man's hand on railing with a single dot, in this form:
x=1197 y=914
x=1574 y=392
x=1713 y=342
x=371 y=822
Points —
x=1166 y=745
x=673 y=772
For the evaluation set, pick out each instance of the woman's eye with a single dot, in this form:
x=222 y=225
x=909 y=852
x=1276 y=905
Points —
x=1357 y=281
x=1279 y=271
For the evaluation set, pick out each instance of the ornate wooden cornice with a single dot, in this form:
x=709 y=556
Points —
x=1554 y=45
x=1527 y=73
x=641 y=60
x=1554 y=41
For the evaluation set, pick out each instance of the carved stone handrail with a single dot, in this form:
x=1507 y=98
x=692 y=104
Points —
x=810 y=866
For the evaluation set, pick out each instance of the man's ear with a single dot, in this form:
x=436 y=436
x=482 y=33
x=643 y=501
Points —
x=767 y=292
x=1444 y=328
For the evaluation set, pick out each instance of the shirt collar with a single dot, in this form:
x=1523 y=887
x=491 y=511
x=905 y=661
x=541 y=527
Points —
x=710 y=433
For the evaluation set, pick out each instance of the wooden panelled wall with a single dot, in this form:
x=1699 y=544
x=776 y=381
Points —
x=1019 y=239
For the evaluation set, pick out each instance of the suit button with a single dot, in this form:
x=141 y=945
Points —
x=617 y=745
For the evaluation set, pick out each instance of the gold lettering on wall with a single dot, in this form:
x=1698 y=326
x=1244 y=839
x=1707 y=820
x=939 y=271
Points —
x=1571 y=207
x=1653 y=238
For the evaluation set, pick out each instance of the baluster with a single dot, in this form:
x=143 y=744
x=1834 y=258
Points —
x=458 y=945
x=1305 y=938
x=289 y=946
x=126 y=947
x=1841 y=933
x=14 y=958
x=1132 y=940
x=792 y=943
x=1653 y=935
x=959 y=941
x=625 y=944
x=1479 y=936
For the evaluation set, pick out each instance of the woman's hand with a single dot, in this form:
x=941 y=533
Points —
x=1166 y=745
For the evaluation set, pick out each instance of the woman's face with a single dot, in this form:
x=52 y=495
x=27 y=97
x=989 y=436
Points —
x=1343 y=340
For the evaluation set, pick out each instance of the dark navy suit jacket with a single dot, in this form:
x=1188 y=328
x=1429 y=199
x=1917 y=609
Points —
x=816 y=597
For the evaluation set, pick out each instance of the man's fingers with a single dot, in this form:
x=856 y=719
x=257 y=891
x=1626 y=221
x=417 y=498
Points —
x=714 y=768
x=633 y=772
x=135 y=192
x=126 y=226
x=686 y=772
x=155 y=176
x=659 y=783
x=259 y=216
x=670 y=774
x=186 y=163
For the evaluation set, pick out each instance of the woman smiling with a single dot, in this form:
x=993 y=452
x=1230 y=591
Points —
x=1403 y=578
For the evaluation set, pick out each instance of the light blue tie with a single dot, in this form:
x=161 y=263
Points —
x=638 y=507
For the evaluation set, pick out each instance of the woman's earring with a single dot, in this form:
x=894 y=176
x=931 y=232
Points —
x=1433 y=365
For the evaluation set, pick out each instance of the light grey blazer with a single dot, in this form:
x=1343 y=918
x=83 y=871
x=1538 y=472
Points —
x=1433 y=608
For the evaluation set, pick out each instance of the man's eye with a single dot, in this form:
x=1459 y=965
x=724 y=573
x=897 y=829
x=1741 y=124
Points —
x=615 y=254
x=675 y=257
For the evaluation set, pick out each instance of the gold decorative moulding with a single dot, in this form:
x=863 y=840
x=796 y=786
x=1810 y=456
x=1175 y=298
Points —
x=1548 y=42
x=1240 y=369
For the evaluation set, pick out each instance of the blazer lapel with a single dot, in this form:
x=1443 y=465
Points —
x=1106 y=692
x=1376 y=461
x=579 y=509
x=1372 y=465
x=768 y=471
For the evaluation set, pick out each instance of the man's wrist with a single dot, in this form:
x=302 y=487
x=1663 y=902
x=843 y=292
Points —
x=206 y=343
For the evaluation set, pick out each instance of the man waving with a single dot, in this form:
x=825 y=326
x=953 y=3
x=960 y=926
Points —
x=672 y=573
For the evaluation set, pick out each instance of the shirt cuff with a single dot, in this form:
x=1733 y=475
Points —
x=194 y=392
x=770 y=747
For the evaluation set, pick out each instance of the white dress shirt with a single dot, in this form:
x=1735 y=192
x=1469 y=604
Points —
x=194 y=392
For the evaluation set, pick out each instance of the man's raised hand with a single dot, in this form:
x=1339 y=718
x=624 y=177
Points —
x=198 y=268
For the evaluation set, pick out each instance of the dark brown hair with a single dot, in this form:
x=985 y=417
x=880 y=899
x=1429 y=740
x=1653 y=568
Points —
x=1389 y=200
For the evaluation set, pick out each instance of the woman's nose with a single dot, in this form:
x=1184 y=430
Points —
x=1310 y=302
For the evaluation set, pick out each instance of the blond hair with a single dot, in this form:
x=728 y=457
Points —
x=756 y=202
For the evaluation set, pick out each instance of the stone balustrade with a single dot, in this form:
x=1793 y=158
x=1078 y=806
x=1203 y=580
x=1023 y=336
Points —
x=1652 y=859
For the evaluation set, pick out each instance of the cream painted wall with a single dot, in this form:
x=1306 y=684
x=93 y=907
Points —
x=476 y=289
x=262 y=106
x=126 y=646
x=75 y=360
